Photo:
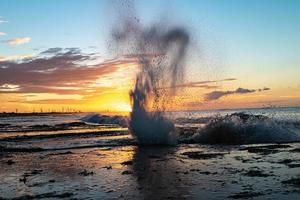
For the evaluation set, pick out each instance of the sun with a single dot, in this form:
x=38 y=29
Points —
x=122 y=107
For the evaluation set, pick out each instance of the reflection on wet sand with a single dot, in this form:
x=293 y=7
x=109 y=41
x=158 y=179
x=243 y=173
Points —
x=189 y=171
x=156 y=175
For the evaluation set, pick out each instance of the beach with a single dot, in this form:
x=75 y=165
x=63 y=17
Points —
x=131 y=172
x=72 y=159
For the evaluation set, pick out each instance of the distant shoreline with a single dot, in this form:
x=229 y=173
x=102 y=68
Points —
x=12 y=114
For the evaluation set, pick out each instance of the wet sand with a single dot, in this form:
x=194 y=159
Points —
x=187 y=171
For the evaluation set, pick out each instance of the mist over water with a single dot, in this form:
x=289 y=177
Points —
x=160 y=53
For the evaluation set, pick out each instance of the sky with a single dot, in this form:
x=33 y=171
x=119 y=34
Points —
x=55 y=54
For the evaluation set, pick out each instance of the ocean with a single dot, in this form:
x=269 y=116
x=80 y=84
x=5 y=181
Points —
x=222 y=154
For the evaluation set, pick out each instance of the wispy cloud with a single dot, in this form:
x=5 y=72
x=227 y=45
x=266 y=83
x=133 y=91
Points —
x=55 y=101
x=218 y=94
x=264 y=89
x=2 y=20
x=52 y=50
x=17 y=41
x=15 y=57
x=9 y=88
x=204 y=84
x=2 y=33
x=61 y=71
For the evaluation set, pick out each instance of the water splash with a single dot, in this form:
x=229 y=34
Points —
x=242 y=128
x=159 y=51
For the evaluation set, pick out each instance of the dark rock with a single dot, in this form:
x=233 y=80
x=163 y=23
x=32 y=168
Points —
x=261 y=150
x=245 y=195
x=242 y=159
x=294 y=165
x=23 y=150
x=36 y=171
x=201 y=155
x=86 y=173
x=39 y=184
x=24 y=179
x=129 y=162
x=207 y=172
x=108 y=167
x=71 y=124
x=285 y=161
x=256 y=173
x=33 y=172
x=10 y=162
x=266 y=149
x=45 y=195
x=276 y=146
x=62 y=153
x=296 y=150
x=293 y=181
x=4 y=125
x=127 y=172
x=43 y=126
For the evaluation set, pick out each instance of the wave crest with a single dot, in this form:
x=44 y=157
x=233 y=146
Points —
x=242 y=128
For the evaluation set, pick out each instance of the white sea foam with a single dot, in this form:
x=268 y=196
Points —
x=105 y=119
x=240 y=128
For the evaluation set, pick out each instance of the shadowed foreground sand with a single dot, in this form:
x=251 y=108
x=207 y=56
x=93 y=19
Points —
x=129 y=172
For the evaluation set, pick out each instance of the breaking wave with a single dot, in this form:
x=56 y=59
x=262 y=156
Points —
x=242 y=128
x=105 y=119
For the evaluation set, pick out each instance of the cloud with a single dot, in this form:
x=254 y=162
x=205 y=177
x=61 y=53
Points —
x=204 y=84
x=61 y=72
x=218 y=94
x=15 y=57
x=229 y=79
x=196 y=85
x=9 y=88
x=55 y=101
x=215 y=81
x=52 y=50
x=243 y=91
x=2 y=33
x=17 y=41
x=2 y=20
x=264 y=89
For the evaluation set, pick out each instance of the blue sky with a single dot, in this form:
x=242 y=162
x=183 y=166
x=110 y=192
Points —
x=255 y=41
x=245 y=27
